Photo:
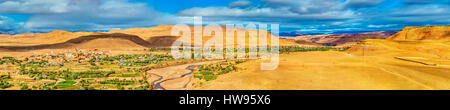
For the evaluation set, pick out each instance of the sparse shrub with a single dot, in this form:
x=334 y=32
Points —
x=4 y=84
x=24 y=87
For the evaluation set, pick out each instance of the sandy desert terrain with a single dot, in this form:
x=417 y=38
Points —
x=415 y=58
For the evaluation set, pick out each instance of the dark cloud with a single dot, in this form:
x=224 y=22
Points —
x=279 y=2
x=316 y=6
x=10 y=26
x=240 y=4
x=334 y=15
x=362 y=3
x=304 y=15
x=308 y=9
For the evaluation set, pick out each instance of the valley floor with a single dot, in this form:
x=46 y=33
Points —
x=332 y=70
x=311 y=70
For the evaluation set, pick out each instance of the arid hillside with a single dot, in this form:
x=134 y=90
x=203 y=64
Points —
x=159 y=36
x=423 y=33
x=160 y=33
x=103 y=41
x=4 y=35
x=372 y=64
x=411 y=41
x=341 y=39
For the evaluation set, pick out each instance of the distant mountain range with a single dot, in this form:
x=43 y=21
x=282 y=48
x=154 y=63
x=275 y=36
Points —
x=133 y=38
x=340 y=39
x=2 y=32
x=298 y=33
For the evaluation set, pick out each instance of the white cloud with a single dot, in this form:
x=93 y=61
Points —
x=83 y=15
x=78 y=15
x=33 y=6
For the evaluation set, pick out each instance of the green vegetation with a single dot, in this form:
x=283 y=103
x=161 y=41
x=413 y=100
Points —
x=90 y=71
x=211 y=71
x=9 y=60
x=145 y=87
x=95 y=67
x=119 y=82
x=24 y=87
x=48 y=86
x=4 y=84
x=127 y=75
x=90 y=74
x=85 y=84
x=133 y=60
x=66 y=85
x=205 y=73
x=307 y=49
x=65 y=74
x=206 y=77
x=84 y=72
x=158 y=49
x=287 y=49
x=220 y=68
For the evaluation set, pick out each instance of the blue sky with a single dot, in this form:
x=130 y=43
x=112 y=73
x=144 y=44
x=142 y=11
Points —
x=307 y=16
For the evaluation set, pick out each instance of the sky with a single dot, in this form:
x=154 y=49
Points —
x=305 y=16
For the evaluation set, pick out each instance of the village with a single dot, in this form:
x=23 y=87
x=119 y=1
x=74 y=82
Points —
x=78 y=69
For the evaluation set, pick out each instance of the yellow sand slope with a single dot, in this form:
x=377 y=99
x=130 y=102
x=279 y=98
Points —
x=423 y=33
x=394 y=64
